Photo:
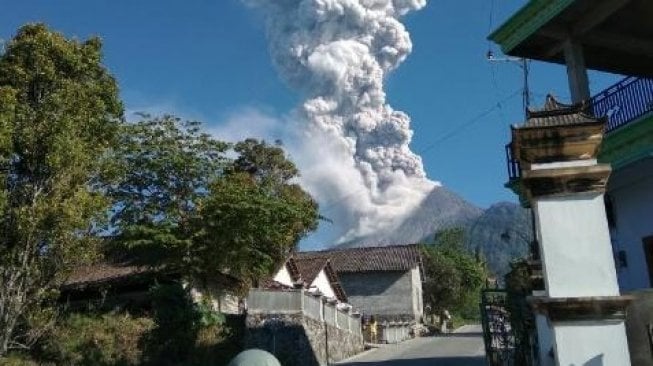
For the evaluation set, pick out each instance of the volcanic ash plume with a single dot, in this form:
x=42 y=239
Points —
x=354 y=152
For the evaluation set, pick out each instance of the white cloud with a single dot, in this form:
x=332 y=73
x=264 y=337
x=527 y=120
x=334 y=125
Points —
x=248 y=122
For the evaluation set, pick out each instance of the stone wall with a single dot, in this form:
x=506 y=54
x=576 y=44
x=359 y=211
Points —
x=297 y=340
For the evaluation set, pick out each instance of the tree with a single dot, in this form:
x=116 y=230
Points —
x=164 y=166
x=59 y=114
x=453 y=276
x=182 y=204
x=254 y=215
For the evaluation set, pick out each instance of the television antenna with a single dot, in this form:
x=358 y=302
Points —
x=523 y=64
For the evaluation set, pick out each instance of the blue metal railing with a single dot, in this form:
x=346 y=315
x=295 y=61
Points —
x=624 y=102
x=514 y=172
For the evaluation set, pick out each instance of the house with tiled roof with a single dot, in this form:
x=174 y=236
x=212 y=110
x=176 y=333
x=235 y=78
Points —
x=316 y=275
x=385 y=282
x=125 y=284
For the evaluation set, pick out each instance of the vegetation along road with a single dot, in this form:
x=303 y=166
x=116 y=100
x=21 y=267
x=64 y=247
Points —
x=464 y=347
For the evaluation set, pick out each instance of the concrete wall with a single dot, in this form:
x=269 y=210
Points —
x=575 y=246
x=387 y=294
x=591 y=344
x=220 y=299
x=638 y=321
x=417 y=294
x=631 y=191
x=297 y=340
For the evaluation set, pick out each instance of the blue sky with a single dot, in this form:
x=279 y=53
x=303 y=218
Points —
x=208 y=60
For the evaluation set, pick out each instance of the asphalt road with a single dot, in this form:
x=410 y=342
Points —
x=461 y=348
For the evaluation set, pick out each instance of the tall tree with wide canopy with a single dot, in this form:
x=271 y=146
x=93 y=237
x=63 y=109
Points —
x=164 y=166
x=255 y=214
x=198 y=206
x=59 y=116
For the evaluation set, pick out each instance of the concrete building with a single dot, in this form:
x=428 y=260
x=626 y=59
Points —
x=613 y=36
x=580 y=313
x=382 y=281
x=629 y=201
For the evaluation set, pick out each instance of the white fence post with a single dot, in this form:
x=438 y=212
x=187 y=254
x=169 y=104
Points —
x=321 y=308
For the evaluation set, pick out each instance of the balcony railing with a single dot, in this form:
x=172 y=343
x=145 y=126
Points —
x=514 y=171
x=624 y=102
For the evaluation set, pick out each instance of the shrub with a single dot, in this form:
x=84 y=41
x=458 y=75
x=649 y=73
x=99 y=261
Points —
x=90 y=339
x=177 y=323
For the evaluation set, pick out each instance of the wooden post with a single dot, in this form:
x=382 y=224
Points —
x=576 y=71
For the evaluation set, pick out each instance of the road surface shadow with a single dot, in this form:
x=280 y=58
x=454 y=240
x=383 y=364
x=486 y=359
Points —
x=431 y=361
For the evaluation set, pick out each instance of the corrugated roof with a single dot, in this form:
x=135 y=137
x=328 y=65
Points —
x=369 y=259
x=556 y=113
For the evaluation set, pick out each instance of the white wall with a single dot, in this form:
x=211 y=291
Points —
x=631 y=190
x=575 y=246
x=591 y=344
x=283 y=277
x=323 y=284
x=416 y=279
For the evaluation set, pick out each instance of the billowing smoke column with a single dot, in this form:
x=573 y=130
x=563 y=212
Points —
x=354 y=153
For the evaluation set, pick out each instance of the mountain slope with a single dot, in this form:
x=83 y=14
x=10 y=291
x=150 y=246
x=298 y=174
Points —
x=441 y=209
x=501 y=233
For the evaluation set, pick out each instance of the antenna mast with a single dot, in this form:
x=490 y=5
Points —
x=523 y=64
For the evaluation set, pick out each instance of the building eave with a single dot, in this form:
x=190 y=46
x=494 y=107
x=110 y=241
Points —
x=628 y=144
x=527 y=21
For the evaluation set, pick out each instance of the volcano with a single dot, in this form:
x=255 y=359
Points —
x=501 y=233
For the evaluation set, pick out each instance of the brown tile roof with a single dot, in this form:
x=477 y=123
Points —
x=556 y=114
x=303 y=271
x=115 y=273
x=309 y=268
x=369 y=259
x=105 y=272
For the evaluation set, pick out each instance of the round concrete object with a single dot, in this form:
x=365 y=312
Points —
x=254 y=357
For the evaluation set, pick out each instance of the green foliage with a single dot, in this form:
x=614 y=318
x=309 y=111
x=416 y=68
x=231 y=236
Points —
x=59 y=115
x=181 y=201
x=253 y=217
x=70 y=169
x=207 y=316
x=175 y=332
x=18 y=359
x=522 y=319
x=103 y=340
x=163 y=166
x=177 y=324
x=453 y=276
x=188 y=333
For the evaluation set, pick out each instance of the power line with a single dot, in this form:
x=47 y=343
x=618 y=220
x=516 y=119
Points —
x=469 y=123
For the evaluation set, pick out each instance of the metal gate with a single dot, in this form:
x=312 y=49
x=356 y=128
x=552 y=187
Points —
x=508 y=329
x=497 y=328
